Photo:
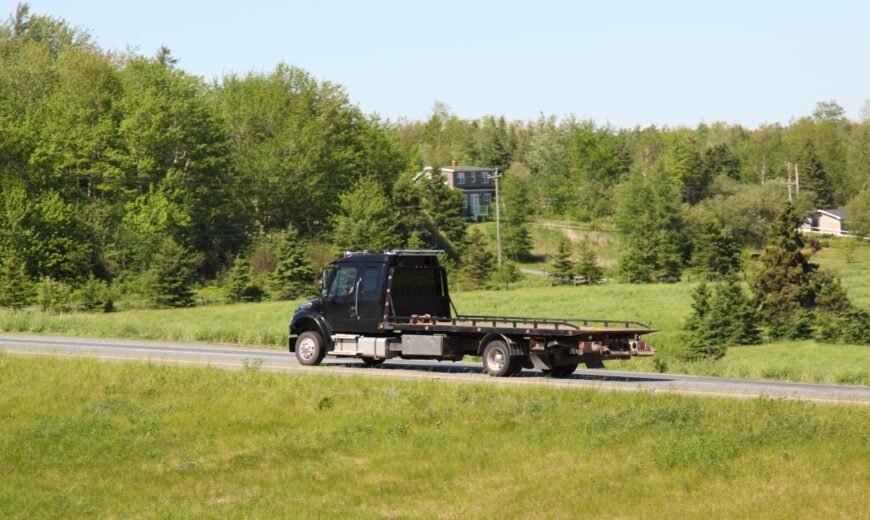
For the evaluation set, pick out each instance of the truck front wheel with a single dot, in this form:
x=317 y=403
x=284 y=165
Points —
x=497 y=360
x=309 y=348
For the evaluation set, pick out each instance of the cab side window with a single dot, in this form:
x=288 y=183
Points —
x=343 y=281
x=370 y=280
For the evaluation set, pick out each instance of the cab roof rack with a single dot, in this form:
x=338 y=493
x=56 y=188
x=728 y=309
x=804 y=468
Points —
x=414 y=252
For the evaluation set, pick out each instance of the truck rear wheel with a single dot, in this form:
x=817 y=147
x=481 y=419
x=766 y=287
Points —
x=563 y=371
x=309 y=348
x=497 y=360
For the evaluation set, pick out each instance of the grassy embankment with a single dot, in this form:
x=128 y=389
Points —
x=663 y=306
x=82 y=438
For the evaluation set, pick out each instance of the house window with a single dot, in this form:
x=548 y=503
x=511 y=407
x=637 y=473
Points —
x=475 y=204
x=471 y=178
x=460 y=177
x=465 y=202
x=484 y=177
x=486 y=199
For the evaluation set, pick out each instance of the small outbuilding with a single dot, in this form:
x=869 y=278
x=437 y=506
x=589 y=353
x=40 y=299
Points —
x=827 y=222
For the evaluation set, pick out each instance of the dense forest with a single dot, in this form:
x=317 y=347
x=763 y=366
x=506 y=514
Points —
x=118 y=168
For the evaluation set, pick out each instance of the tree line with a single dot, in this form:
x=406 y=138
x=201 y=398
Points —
x=121 y=172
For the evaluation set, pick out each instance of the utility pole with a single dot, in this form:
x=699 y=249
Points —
x=496 y=176
x=788 y=179
x=797 y=179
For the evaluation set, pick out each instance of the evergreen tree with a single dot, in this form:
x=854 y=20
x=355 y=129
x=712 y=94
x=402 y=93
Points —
x=732 y=316
x=648 y=214
x=639 y=258
x=699 y=343
x=444 y=207
x=813 y=177
x=478 y=262
x=16 y=289
x=515 y=237
x=839 y=320
x=95 y=295
x=240 y=285
x=587 y=264
x=783 y=288
x=170 y=277
x=719 y=320
x=293 y=277
x=715 y=249
x=563 y=264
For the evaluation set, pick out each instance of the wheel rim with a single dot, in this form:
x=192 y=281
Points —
x=496 y=359
x=306 y=348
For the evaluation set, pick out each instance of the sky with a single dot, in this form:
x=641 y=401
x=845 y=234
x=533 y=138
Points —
x=617 y=62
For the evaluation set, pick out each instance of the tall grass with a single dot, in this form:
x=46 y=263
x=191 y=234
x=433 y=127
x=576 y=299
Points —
x=80 y=438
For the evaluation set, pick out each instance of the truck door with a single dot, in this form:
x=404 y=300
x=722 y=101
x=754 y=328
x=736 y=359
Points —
x=339 y=302
x=354 y=300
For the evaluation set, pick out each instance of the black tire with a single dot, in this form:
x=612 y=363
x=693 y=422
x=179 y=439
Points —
x=310 y=348
x=564 y=370
x=372 y=362
x=497 y=360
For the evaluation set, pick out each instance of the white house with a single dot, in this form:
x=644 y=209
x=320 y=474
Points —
x=827 y=222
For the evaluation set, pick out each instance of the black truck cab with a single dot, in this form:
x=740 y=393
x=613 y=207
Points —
x=360 y=290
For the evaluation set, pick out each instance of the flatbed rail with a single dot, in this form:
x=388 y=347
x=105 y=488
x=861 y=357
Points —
x=527 y=325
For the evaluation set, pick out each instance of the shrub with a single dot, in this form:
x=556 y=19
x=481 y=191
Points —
x=96 y=295
x=52 y=295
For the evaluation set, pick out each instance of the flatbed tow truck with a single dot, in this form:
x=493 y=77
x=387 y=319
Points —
x=397 y=304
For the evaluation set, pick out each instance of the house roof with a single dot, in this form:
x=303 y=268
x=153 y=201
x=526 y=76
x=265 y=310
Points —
x=837 y=213
x=466 y=169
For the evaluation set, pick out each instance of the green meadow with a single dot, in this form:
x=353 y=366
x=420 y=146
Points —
x=80 y=438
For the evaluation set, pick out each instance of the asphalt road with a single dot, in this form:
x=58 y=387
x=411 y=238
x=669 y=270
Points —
x=228 y=357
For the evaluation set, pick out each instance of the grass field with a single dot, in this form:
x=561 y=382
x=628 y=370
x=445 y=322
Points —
x=79 y=438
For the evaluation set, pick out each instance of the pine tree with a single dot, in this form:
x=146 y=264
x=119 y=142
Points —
x=715 y=250
x=649 y=216
x=96 y=295
x=444 y=208
x=478 y=263
x=719 y=319
x=293 y=276
x=839 y=320
x=170 y=277
x=515 y=237
x=783 y=289
x=813 y=177
x=563 y=264
x=587 y=264
x=16 y=289
x=732 y=317
x=240 y=285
